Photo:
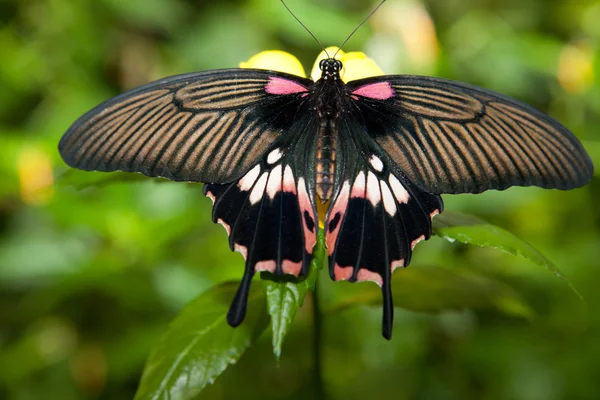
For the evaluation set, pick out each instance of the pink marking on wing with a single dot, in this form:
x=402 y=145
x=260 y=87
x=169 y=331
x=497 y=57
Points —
x=268 y=265
x=377 y=91
x=289 y=185
x=290 y=267
x=243 y=250
x=339 y=207
x=342 y=273
x=225 y=225
x=434 y=213
x=358 y=189
x=366 y=275
x=211 y=197
x=396 y=264
x=284 y=86
x=310 y=238
x=417 y=240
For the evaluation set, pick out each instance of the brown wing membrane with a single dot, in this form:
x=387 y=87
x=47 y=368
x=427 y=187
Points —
x=208 y=126
x=451 y=137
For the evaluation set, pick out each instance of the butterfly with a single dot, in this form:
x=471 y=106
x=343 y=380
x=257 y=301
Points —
x=282 y=156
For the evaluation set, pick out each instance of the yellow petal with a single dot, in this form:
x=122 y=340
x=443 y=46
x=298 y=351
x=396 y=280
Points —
x=275 y=60
x=356 y=65
x=359 y=66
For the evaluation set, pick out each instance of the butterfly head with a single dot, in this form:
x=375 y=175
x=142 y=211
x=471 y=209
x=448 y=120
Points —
x=330 y=68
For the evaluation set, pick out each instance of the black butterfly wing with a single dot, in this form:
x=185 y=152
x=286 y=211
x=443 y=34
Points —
x=238 y=130
x=451 y=137
x=269 y=213
x=206 y=127
x=376 y=217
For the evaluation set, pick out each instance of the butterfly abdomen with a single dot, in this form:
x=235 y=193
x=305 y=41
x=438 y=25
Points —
x=325 y=158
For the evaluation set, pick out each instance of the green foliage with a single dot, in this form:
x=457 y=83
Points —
x=199 y=345
x=103 y=274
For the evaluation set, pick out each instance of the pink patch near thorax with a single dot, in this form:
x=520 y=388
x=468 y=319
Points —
x=284 y=86
x=377 y=91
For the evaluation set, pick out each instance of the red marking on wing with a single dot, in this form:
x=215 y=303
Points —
x=211 y=197
x=268 y=265
x=377 y=91
x=358 y=188
x=284 y=86
x=396 y=264
x=225 y=225
x=417 y=240
x=340 y=205
x=289 y=185
x=342 y=273
x=290 y=267
x=310 y=237
x=364 y=275
x=243 y=250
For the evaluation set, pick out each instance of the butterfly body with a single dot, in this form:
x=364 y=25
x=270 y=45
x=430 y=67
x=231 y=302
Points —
x=376 y=152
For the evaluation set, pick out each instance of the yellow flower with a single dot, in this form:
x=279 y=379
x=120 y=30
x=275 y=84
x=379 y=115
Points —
x=356 y=65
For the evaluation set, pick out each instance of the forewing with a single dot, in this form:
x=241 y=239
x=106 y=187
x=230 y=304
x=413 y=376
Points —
x=269 y=214
x=210 y=126
x=376 y=217
x=451 y=137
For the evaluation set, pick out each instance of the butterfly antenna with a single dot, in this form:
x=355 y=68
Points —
x=361 y=24
x=304 y=26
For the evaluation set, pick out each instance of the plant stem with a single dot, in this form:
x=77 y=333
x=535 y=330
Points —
x=317 y=333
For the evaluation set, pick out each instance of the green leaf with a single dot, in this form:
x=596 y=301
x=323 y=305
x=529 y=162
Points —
x=433 y=289
x=468 y=229
x=283 y=299
x=199 y=345
x=285 y=295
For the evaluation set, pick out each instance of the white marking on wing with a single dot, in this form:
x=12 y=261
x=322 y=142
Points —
x=274 y=156
x=259 y=189
x=274 y=184
x=399 y=192
x=376 y=163
x=248 y=180
x=388 y=199
x=373 y=192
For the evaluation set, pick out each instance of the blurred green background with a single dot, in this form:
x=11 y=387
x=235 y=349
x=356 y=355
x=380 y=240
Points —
x=92 y=271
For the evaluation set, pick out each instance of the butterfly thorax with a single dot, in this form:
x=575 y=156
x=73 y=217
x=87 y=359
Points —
x=328 y=106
